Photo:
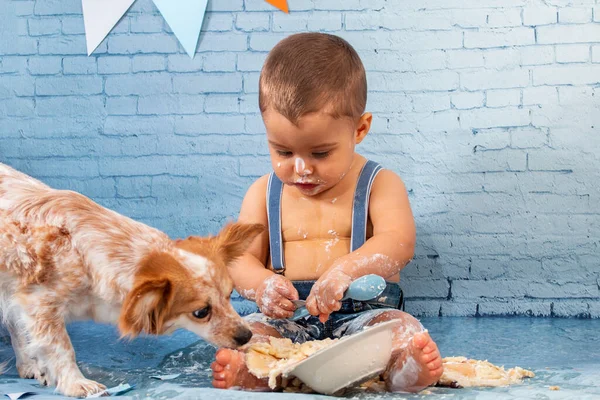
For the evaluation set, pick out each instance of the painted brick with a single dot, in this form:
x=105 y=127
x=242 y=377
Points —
x=23 y=8
x=16 y=107
x=492 y=118
x=574 y=15
x=500 y=37
x=114 y=65
x=251 y=61
x=464 y=59
x=134 y=187
x=65 y=86
x=143 y=63
x=325 y=22
x=430 y=102
x=219 y=62
x=540 y=95
x=492 y=79
x=217 y=41
x=515 y=307
x=254 y=21
x=146 y=23
x=137 y=44
x=182 y=63
x=141 y=125
x=44 y=26
x=47 y=65
x=503 y=98
x=433 y=81
x=57 y=7
x=217 y=22
x=578 y=75
x=572 y=53
x=70 y=105
x=142 y=84
x=72 y=25
x=227 y=5
x=207 y=83
x=596 y=54
x=205 y=124
x=66 y=45
x=79 y=65
x=467 y=100
x=295 y=22
x=170 y=104
x=536 y=55
x=121 y=105
x=539 y=15
x=596 y=13
x=557 y=34
x=221 y=104
x=502 y=58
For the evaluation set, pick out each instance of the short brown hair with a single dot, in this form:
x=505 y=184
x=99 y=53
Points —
x=309 y=72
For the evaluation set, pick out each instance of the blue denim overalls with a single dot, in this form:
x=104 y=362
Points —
x=391 y=298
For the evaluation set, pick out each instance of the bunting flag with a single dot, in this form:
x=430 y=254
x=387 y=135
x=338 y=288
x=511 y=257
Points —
x=100 y=17
x=281 y=4
x=185 y=18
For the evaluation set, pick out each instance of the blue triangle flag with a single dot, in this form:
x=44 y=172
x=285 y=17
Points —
x=185 y=19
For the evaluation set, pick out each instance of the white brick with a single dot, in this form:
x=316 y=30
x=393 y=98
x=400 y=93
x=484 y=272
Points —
x=500 y=37
x=540 y=95
x=507 y=17
x=430 y=102
x=597 y=14
x=568 y=34
x=464 y=59
x=325 y=22
x=528 y=137
x=567 y=75
x=576 y=95
x=492 y=79
x=537 y=55
x=502 y=58
x=503 y=98
x=574 y=15
x=596 y=54
x=572 y=53
x=539 y=15
x=467 y=100
x=494 y=118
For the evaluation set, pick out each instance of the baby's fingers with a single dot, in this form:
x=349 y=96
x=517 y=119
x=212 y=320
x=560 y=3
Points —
x=311 y=305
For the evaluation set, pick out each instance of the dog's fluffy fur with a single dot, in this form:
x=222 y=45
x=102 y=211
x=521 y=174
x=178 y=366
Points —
x=64 y=257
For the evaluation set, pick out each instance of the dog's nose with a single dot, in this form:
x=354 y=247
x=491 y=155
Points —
x=242 y=336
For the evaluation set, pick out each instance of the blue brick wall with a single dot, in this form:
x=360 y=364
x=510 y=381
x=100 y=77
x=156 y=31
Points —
x=489 y=110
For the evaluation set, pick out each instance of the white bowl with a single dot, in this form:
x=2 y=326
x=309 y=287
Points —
x=352 y=360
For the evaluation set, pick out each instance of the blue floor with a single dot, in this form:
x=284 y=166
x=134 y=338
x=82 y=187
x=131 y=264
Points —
x=562 y=352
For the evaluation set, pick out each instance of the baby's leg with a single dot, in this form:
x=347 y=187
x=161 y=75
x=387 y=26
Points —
x=229 y=367
x=416 y=362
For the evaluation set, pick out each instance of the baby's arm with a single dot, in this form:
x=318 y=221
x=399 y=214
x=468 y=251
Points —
x=271 y=292
x=389 y=249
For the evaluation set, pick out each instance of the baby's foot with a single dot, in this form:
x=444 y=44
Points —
x=417 y=367
x=229 y=370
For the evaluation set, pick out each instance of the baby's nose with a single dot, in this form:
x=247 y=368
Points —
x=301 y=168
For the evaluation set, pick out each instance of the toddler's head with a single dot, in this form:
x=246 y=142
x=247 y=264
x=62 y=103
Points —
x=312 y=96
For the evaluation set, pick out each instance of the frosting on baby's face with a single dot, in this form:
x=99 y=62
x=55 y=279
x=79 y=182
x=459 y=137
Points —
x=313 y=155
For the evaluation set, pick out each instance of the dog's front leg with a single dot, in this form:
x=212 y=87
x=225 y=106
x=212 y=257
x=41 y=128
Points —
x=27 y=366
x=50 y=343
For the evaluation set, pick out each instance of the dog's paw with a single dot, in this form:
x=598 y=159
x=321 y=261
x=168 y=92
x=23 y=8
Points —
x=80 y=388
x=30 y=370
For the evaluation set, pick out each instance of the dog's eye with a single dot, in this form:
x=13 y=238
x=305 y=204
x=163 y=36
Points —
x=202 y=313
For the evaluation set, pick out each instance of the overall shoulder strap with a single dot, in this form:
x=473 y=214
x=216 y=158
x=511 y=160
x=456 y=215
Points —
x=274 y=191
x=360 y=207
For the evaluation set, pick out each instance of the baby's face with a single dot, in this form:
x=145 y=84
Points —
x=313 y=156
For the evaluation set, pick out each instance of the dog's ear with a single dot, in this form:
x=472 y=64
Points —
x=235 y=238
x=146 y=307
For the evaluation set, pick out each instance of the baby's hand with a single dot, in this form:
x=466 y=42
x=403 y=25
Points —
x=274 y=296
x=326 y=294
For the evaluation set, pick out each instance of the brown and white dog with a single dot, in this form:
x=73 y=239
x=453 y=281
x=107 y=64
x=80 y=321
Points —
x=64 y=257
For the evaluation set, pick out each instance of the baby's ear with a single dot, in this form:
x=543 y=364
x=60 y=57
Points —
x=235 y=239
x=145 y=308
x=362 y=127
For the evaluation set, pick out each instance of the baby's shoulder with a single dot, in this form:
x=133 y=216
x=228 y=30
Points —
x=387 y=182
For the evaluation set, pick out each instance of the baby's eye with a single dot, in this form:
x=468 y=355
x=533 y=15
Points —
x=321 y=154
x=284 y=153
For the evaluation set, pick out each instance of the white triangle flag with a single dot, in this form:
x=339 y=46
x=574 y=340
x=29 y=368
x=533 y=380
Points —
x=185 y=19
x=100 y=17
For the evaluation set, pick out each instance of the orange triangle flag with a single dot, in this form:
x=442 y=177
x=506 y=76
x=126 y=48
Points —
x=281 y=4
